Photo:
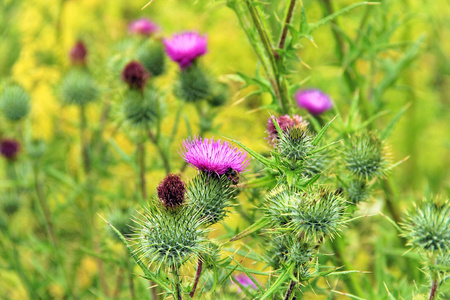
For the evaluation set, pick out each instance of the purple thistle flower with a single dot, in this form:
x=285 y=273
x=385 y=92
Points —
x=212 y=156
x=78 y=54
x=185 y=47
x=135 y=75
x=245 y=281
x=171 y=191
x=315 y=101
x=284 y=122
x=143 y=26
x=9 y=148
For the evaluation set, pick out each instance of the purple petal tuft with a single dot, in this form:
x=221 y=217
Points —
x=184 y=48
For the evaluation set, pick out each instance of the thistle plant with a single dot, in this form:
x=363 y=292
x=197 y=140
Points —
x=14 y=103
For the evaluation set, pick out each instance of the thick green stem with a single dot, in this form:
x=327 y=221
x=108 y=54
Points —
x=84 y=141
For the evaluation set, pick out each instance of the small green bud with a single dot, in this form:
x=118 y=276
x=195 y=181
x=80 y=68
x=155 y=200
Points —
x=121 y=219
x=15 y=103
x=10 y=202
x=152 y=57
x=169 y=237
x=278 y=206
x=78 y=88
x=193 y=84
x=211 y=195
x=140 y=110
x=219 y=95
x=427 y=227
x=358 y=191
x=365 y=157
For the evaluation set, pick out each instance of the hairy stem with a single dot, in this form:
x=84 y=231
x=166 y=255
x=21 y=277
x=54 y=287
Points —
x=197 y=277
x=287 y=21
x=290 y=290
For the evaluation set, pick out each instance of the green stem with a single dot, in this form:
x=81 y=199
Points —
x=290 y=290
x=197 y=277
x=434 y=277
x=84 y=140
x=141 y=163
x=287 y=21
x=177 y=283
x=163 y=154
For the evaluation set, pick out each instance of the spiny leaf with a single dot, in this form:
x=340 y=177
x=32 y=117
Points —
x=261 y=223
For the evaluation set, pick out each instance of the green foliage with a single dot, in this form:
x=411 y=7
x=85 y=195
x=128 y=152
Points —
x=78 y=88
x=121 y=219
x=15 y=103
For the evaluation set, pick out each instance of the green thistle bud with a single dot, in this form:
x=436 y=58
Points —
x=141 y=110
x=10 y=203
x=211 y=195
x=193 y=84
x=78 y=88
x=320 y=213
x=315 y=164
x=365 y=157
x=121 y=219
x=427 y=227
x=169 y=237
x=15 y=103
x=278 y=206
x=152 y=57
x=219 y=95
x=358 y=191
x=211 y=255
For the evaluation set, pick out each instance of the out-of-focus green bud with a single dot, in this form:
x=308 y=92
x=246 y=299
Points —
x=78 y=88
x=15 y=103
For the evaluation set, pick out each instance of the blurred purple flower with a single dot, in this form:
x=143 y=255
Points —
x=171 y=191
x=185 y=47
x=284 y=122
x=78 y=54
x=245 y=281
x=9 y=148
x=212 y=156
x=135 y=75
x=315 y=101
x=143 y=26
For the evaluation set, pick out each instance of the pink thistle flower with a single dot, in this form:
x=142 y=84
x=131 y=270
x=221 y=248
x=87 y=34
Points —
x=313 y=100
x=143 y=26
x=245 y=281
x=78 y=54
x=284 y=122
x=9 y=148
x=212 y=156
x=185 y=47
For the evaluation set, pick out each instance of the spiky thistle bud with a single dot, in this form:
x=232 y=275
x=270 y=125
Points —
x=9 y=148
x=121 y=219
x=171 y=191
x=315 y=164
x=15 y=103
x=427 y=227
x=278 y=206
x=219 y=95
x=193 y=84
x=284 y=122
x=140 y=110
x=10 y=202
x=169 y=238
x=152 y=57
x=365 y=156
x=135 y=75
x=358 y=191
x=78 y=53
x=295 y=145
x=320 y=213
x=210 y=195
x=78 y=88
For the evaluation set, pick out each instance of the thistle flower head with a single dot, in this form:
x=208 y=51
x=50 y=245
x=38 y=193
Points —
x=78 y=88
x=365 y=156
x=185 y=48
x=9 y=148
x=78 y=53
x=15 y=103
x=143 y=26
x=210 y=156
x=295 y=144
x=171 y=191
x=320 y=213
x=284 y=122
x=169 y=238
x=193 y=85
x=211 y=196
x=135 y=75
x=313 y=100
x=427 y=227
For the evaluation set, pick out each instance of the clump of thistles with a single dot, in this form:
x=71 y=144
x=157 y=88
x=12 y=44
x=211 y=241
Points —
x=171 y=191
x=185 y=48
x=313 y=100
x=135 y=75
x=284 y=122
x=143 y=26
x=210 y=156
x=9 y=148
x=78 y=54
